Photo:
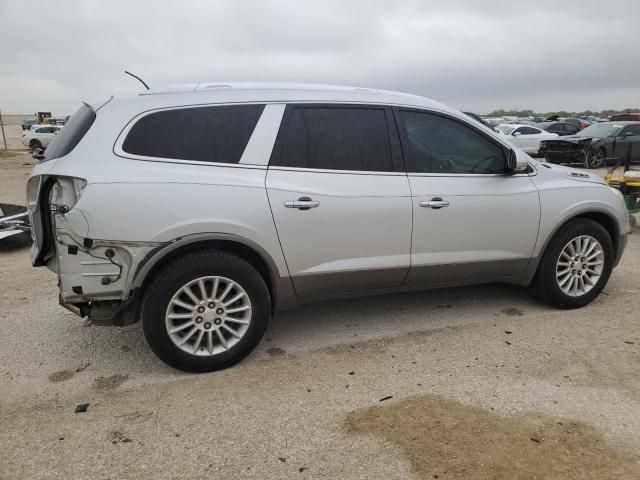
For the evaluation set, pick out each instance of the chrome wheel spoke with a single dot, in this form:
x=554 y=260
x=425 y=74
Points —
x=210 y=343
x=179 y=316
x=234 y=299
x=226 y=292
x=203 y=290
x=179 y=328
x=231 y=331
x=214 y=290
x=196 y=344
x=223 y=341
x=237 y=320
x=181 y=304
x=186 y=337
x=238 y=309
x=190 y=294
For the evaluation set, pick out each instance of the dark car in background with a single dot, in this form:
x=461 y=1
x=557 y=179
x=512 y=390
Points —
x=594 y=144
x=578 y=122
x=26 y=124
x=561 y=128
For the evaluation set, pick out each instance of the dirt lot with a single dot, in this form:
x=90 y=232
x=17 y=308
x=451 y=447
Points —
x=470 y=383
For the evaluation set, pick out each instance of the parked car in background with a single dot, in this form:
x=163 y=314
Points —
x=27 y=124
x=577 y=122
x=591 y=146
x=304 y=192
x=592 y=119
x=561 y=128
x=39 y=136
x=525 y=137
x=625 y=117
x=478 y=119
x=495 y=121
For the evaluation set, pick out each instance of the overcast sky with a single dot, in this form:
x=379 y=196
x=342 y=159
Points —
x=473 y=55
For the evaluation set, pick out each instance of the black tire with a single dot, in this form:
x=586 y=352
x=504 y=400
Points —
x=185 y=269
x=545 y=285
x=33 y=144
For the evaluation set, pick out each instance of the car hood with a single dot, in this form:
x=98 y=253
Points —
x=575 y=139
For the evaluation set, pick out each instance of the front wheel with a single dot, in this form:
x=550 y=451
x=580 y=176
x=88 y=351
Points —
x=205 y=311
x=596 y=158
x=576 y=265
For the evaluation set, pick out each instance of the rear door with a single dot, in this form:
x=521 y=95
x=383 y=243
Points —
x=340 y=198
x=472 y=220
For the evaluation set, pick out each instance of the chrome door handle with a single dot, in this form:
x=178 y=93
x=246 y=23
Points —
x=303 y=203
x=435 y=203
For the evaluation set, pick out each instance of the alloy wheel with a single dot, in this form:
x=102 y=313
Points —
x=208 y=316
x=579 y=265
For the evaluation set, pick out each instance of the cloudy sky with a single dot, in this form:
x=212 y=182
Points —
x=475 y=55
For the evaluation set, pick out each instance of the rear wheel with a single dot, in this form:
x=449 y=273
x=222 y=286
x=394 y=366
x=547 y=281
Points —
x=205 y=311
x=576 y=265
x=33 y=144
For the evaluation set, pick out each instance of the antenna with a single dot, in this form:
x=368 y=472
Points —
x=138 y=78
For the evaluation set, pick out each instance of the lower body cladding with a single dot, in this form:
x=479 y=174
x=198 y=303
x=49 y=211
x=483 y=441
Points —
x=94 y=275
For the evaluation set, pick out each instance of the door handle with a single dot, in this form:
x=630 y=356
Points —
x=303 y=203
x=435 y=203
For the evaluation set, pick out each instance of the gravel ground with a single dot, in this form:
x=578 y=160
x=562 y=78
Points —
x=471 y=383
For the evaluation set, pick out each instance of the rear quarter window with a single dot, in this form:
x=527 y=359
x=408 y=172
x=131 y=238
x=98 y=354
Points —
x=205 y=134
x=69 y=136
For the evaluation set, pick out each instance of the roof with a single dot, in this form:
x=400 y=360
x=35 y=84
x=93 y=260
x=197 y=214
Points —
x=516 y=125
x=204 y=92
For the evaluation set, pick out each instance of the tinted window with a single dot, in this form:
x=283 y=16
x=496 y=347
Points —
x=528 y=131
x=335 y=138
x=69 y=136
x=634 y=129
x=204 y=134
x=437 y=144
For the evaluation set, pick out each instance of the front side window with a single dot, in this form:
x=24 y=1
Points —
x=335 y=138
x=205 y=134
x=437 y=144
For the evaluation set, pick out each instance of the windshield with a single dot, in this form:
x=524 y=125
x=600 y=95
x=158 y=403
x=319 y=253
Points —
x=506 y=129
x=600 y=130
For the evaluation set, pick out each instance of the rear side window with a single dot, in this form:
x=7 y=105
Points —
x=437 y=144
x=204 y=134
x=335 y=138
x=69 y=136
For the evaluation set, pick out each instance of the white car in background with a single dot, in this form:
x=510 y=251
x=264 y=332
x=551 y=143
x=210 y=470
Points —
x=39 y=136
x=525 y=137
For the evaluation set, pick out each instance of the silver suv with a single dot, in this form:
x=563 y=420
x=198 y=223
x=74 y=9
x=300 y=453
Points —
x=203 y=209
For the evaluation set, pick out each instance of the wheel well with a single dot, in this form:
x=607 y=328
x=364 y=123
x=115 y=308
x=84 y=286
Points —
x=237 y=248
x=607 y=222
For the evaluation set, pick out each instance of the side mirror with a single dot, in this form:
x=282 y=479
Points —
x=516 y=134
x=517 y=162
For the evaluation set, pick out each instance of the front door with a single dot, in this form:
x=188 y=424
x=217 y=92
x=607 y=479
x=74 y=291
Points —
x=472 y=220
x=340 y=199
